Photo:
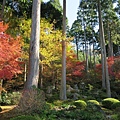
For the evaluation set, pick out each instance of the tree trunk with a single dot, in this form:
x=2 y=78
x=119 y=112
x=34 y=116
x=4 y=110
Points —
x=94 y=56
x=77 y=46
x=83 y=53
x=63 y=81
x=104 y=50
x=25 y=72
x=86 y=50
x=90 y=62
x=110 y=43
x=41 y=76
x=33 y=70
x=103 y=64
x=3 y=7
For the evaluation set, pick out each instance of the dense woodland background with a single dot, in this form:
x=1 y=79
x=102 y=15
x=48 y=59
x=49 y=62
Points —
x=78 y=67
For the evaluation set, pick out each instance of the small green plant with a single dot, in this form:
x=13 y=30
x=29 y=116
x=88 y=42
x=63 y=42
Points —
x=90 y=87
x=49 y=105
x=80 y=104
x=108 y=102
x=24 y=117
x=10 y=98
x=116 y=117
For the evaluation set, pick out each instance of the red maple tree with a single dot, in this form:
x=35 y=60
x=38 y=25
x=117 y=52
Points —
x=113 y=68
x=10 y=52
x=75 y=68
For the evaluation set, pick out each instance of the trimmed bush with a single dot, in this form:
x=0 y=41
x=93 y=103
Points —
x=93 y=102
x=80 y=104
x=115 y=105
x=108 y=102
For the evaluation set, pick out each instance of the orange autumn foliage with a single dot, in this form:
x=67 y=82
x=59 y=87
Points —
x=10 y=52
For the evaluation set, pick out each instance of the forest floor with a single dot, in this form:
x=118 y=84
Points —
x=65 y=110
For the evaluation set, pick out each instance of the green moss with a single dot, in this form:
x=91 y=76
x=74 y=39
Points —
x=108 y=102
x=80 y=104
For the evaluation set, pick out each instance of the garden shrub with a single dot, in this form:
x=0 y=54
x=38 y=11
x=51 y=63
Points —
x=80 y=104
x=115 y=105
x=10 y=98
x=108 y=102
x=93 y=102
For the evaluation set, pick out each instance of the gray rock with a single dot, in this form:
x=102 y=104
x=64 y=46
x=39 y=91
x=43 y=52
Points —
x=76 y=96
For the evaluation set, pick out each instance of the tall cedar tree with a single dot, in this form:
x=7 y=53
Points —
x=33 y=71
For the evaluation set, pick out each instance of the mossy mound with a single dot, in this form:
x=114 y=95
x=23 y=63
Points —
x=115 y=105
x=108 y=102
x=93 y=102
x=80 y=104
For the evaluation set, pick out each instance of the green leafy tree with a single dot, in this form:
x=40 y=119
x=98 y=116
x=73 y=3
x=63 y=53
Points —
x=87 y=18
x=111 y=24
x=52 y=11
x=76 y=32
x=117 y=8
